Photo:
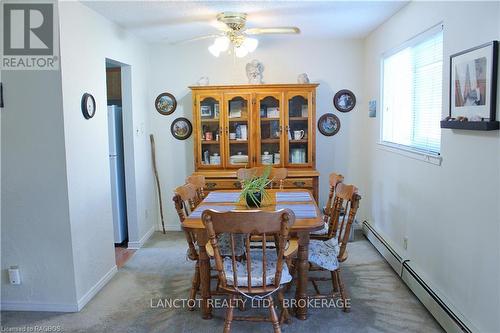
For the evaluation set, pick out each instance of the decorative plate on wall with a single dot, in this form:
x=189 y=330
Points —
x=344 y=100
x=181 y=128
x=88 y=105
x=329 y=124
x=165 y=104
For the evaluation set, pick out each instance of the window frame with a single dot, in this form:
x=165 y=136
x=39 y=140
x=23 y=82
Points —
x=410 y=151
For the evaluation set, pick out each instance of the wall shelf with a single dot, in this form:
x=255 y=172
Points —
x=471 y=125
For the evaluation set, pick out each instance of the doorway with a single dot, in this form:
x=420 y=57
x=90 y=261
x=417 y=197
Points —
x=116 y=138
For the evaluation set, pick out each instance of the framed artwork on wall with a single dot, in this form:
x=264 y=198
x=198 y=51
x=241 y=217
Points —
x=473 y=83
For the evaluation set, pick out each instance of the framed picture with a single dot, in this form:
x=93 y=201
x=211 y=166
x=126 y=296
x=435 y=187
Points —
x=473 y=82
x=216 y=110
x=344 y=100
x=329 y=124
x=206 y=111
x=165 y=104
x=181 y=128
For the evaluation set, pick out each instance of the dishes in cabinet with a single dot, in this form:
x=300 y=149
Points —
x=238 y=159
x=298 y=155
x=266 y=158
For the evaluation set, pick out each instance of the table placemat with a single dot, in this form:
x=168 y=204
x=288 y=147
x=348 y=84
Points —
x=196 y=214
x=222 y=197
x=307 y=211
x=293 y=196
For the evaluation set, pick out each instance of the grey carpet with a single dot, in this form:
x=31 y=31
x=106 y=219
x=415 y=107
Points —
x=380 y=300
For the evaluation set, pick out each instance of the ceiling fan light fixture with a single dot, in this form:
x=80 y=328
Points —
x=222 y=43
x=241 y=51
x=214 y=49
x=250 y=44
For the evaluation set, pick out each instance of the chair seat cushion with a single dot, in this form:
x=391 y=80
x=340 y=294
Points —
x=256 y=272
x=322 y=231
x=324 y=253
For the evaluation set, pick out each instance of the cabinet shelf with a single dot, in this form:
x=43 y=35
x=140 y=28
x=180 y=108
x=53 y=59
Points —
x=270 y=140
x=213 y=142
x=298 y=141
x=238 y=141
x=298 y=118
x=209 y=120
x=238 y=119
x=269 y=119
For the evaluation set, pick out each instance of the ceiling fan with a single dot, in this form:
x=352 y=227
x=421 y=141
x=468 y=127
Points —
x=233 y=32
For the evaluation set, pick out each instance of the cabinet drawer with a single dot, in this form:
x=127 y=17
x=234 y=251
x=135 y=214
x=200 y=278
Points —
x=222 y=184
x=298 y=183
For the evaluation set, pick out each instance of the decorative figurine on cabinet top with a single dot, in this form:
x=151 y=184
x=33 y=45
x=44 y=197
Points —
x=203 y=81
x=303 y=78
x=254 y=72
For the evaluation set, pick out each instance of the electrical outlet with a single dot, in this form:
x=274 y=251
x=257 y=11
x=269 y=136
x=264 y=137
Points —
x=405 y=243
x=14 y=275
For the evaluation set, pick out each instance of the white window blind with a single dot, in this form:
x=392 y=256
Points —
x=412 y=93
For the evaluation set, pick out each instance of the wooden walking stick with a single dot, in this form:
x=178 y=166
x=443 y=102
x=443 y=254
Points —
x=153 y=153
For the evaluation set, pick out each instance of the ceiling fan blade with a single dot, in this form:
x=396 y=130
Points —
x=194 y=39
x=268 y=31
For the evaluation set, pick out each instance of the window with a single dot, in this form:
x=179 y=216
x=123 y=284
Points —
x=412 y=93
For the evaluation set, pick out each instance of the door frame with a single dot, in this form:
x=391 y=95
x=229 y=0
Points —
x=128 y=152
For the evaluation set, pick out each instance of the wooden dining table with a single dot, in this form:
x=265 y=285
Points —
x=300 y=229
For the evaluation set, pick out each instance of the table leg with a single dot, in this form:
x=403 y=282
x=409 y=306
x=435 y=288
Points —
x=302 y=273
x=204 y=275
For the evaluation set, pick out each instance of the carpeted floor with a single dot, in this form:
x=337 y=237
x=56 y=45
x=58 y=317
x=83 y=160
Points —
x=380 y=300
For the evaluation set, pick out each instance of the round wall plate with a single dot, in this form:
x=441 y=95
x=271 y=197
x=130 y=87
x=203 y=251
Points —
x=165 y=104
x=181 y=128
x=329 y=124
x=344 y=100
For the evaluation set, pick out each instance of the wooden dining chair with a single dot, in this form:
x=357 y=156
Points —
x=257 y=276
x=334 y=180
x=199 y=182
x=326 y=255
x=184 y=198
x=276 y=174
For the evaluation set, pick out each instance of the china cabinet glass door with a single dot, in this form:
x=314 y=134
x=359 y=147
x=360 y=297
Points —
x=210 y=135
x=237 y=129
x=269 y=129
x=298 y=130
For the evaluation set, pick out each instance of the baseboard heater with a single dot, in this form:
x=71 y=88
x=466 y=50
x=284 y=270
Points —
x=446 y=317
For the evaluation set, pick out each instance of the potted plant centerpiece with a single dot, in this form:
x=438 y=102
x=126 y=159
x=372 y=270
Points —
x=254 y=189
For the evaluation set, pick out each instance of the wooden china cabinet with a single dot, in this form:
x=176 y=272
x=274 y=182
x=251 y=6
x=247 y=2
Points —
x=243 y=126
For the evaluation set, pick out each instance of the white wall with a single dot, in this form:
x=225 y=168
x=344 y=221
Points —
x=35 y=225
x=335 y=64
x=449 y=213
x=87 y=39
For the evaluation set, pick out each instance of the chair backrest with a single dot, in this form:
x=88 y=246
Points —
x=347 y=201
x=184 y=198
x=276 y=174
x=199 y=182
x=334 y=179
x=279 y=175
x=249 y=223
x=245 y=174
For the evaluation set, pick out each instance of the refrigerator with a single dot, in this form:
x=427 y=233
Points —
x=117 y=172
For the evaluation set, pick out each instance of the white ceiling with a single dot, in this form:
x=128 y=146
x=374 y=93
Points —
x=170 y=21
